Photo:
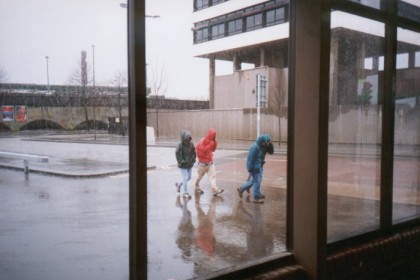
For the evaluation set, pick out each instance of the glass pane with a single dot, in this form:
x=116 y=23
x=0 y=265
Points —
x=63 y=109
x=197 y=87
x=371 y=3
x=409 y=9
x=406 y=199
x=354 y=125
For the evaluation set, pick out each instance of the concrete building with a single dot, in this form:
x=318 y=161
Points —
x=256 y=33
x=243 y=32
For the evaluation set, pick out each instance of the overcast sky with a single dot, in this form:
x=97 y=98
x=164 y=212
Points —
x=30 y=30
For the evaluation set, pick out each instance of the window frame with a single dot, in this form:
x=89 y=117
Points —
x=307 y=150
x=388 y=16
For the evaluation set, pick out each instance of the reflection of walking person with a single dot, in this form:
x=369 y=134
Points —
x=205 y=239
x=205 y=148
x=254 y=164
x=185 y=156
x=269 y=148
x=259 y=242
x=185 y=233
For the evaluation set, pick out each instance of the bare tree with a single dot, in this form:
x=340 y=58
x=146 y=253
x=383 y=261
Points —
x=79 y=76
x=159 y=88
x=159 y=79
x=277 y=98
x=3 y=75
x=120 y=82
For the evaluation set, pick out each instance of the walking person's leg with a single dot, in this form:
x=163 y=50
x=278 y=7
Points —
x=202 y=169
x=186 y=176
x=211 y=173
x=247 y=185
x=256 y=179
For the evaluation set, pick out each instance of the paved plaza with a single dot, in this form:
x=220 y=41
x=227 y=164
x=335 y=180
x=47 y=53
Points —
x=68 y=218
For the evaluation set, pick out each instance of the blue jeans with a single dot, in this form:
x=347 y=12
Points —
x=255 y=182
x=186 y=176
x=248 y=184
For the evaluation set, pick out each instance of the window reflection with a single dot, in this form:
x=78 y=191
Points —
x=205 y=234
x=354 y=125
x=406 y=191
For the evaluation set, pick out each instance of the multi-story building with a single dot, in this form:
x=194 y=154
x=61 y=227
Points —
x=256 y=32
x=251 y=32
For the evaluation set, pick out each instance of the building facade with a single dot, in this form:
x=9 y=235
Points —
x=256 y=33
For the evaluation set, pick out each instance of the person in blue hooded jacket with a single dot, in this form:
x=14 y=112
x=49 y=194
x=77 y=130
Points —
x=254 y=164
x=269 y=148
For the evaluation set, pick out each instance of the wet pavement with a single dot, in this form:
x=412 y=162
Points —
x=74 y=224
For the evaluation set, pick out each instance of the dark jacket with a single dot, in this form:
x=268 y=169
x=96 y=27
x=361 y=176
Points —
x=269 y=148
x=254 y=160
x=185 y=151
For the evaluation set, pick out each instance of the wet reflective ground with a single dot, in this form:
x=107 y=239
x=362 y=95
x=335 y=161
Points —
x=193 y=237
x=61 y=228
x=55 y=227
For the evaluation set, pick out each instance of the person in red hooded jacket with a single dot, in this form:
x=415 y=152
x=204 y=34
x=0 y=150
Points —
x=204 y=149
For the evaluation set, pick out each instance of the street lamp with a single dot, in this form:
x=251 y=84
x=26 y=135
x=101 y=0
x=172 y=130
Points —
x=93 y=64
x=48 y=74
x=94 y=91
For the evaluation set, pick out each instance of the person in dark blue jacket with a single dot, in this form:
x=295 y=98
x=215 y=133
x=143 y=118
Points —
x=269 y=148
x=254 y=163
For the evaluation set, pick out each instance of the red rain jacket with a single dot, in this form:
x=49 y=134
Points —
x=206 y=146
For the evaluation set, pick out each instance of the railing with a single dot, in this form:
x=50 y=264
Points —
x=25 y=157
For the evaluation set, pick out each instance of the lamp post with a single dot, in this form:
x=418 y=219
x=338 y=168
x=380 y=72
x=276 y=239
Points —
x=48 y=74
x=94 y=91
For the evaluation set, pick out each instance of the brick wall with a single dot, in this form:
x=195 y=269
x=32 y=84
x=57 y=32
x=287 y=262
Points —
x=393 y=257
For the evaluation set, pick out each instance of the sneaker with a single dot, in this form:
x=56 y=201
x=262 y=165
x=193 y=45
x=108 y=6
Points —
x=239 y=192
x=186 y=195
x=258 y=200
x=199 y=191
x=261 y=196
x=178 y=187
x=217 y=192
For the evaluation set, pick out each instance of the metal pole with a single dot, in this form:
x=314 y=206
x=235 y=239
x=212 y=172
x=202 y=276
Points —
x=94 y=92
x=258 y=103
x=93 y=56
x=48 y=74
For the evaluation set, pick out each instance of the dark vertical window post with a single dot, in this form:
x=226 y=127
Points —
x=137 y=141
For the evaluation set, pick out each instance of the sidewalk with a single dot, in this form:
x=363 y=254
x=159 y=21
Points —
x=73 y=155
x=69 y=155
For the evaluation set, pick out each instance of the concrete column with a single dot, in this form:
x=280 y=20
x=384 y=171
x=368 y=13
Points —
x=212 y=74
x=308 y=138
x=236 y=62
x=262 y=56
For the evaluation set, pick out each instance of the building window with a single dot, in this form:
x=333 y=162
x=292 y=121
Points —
x=254 y=22
x=263 y=15
x=201 y=35
x=354 y=176
x=274 y=17
x=218 y=31
x=201 y=4
x=234 y=27
x=406 y=187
